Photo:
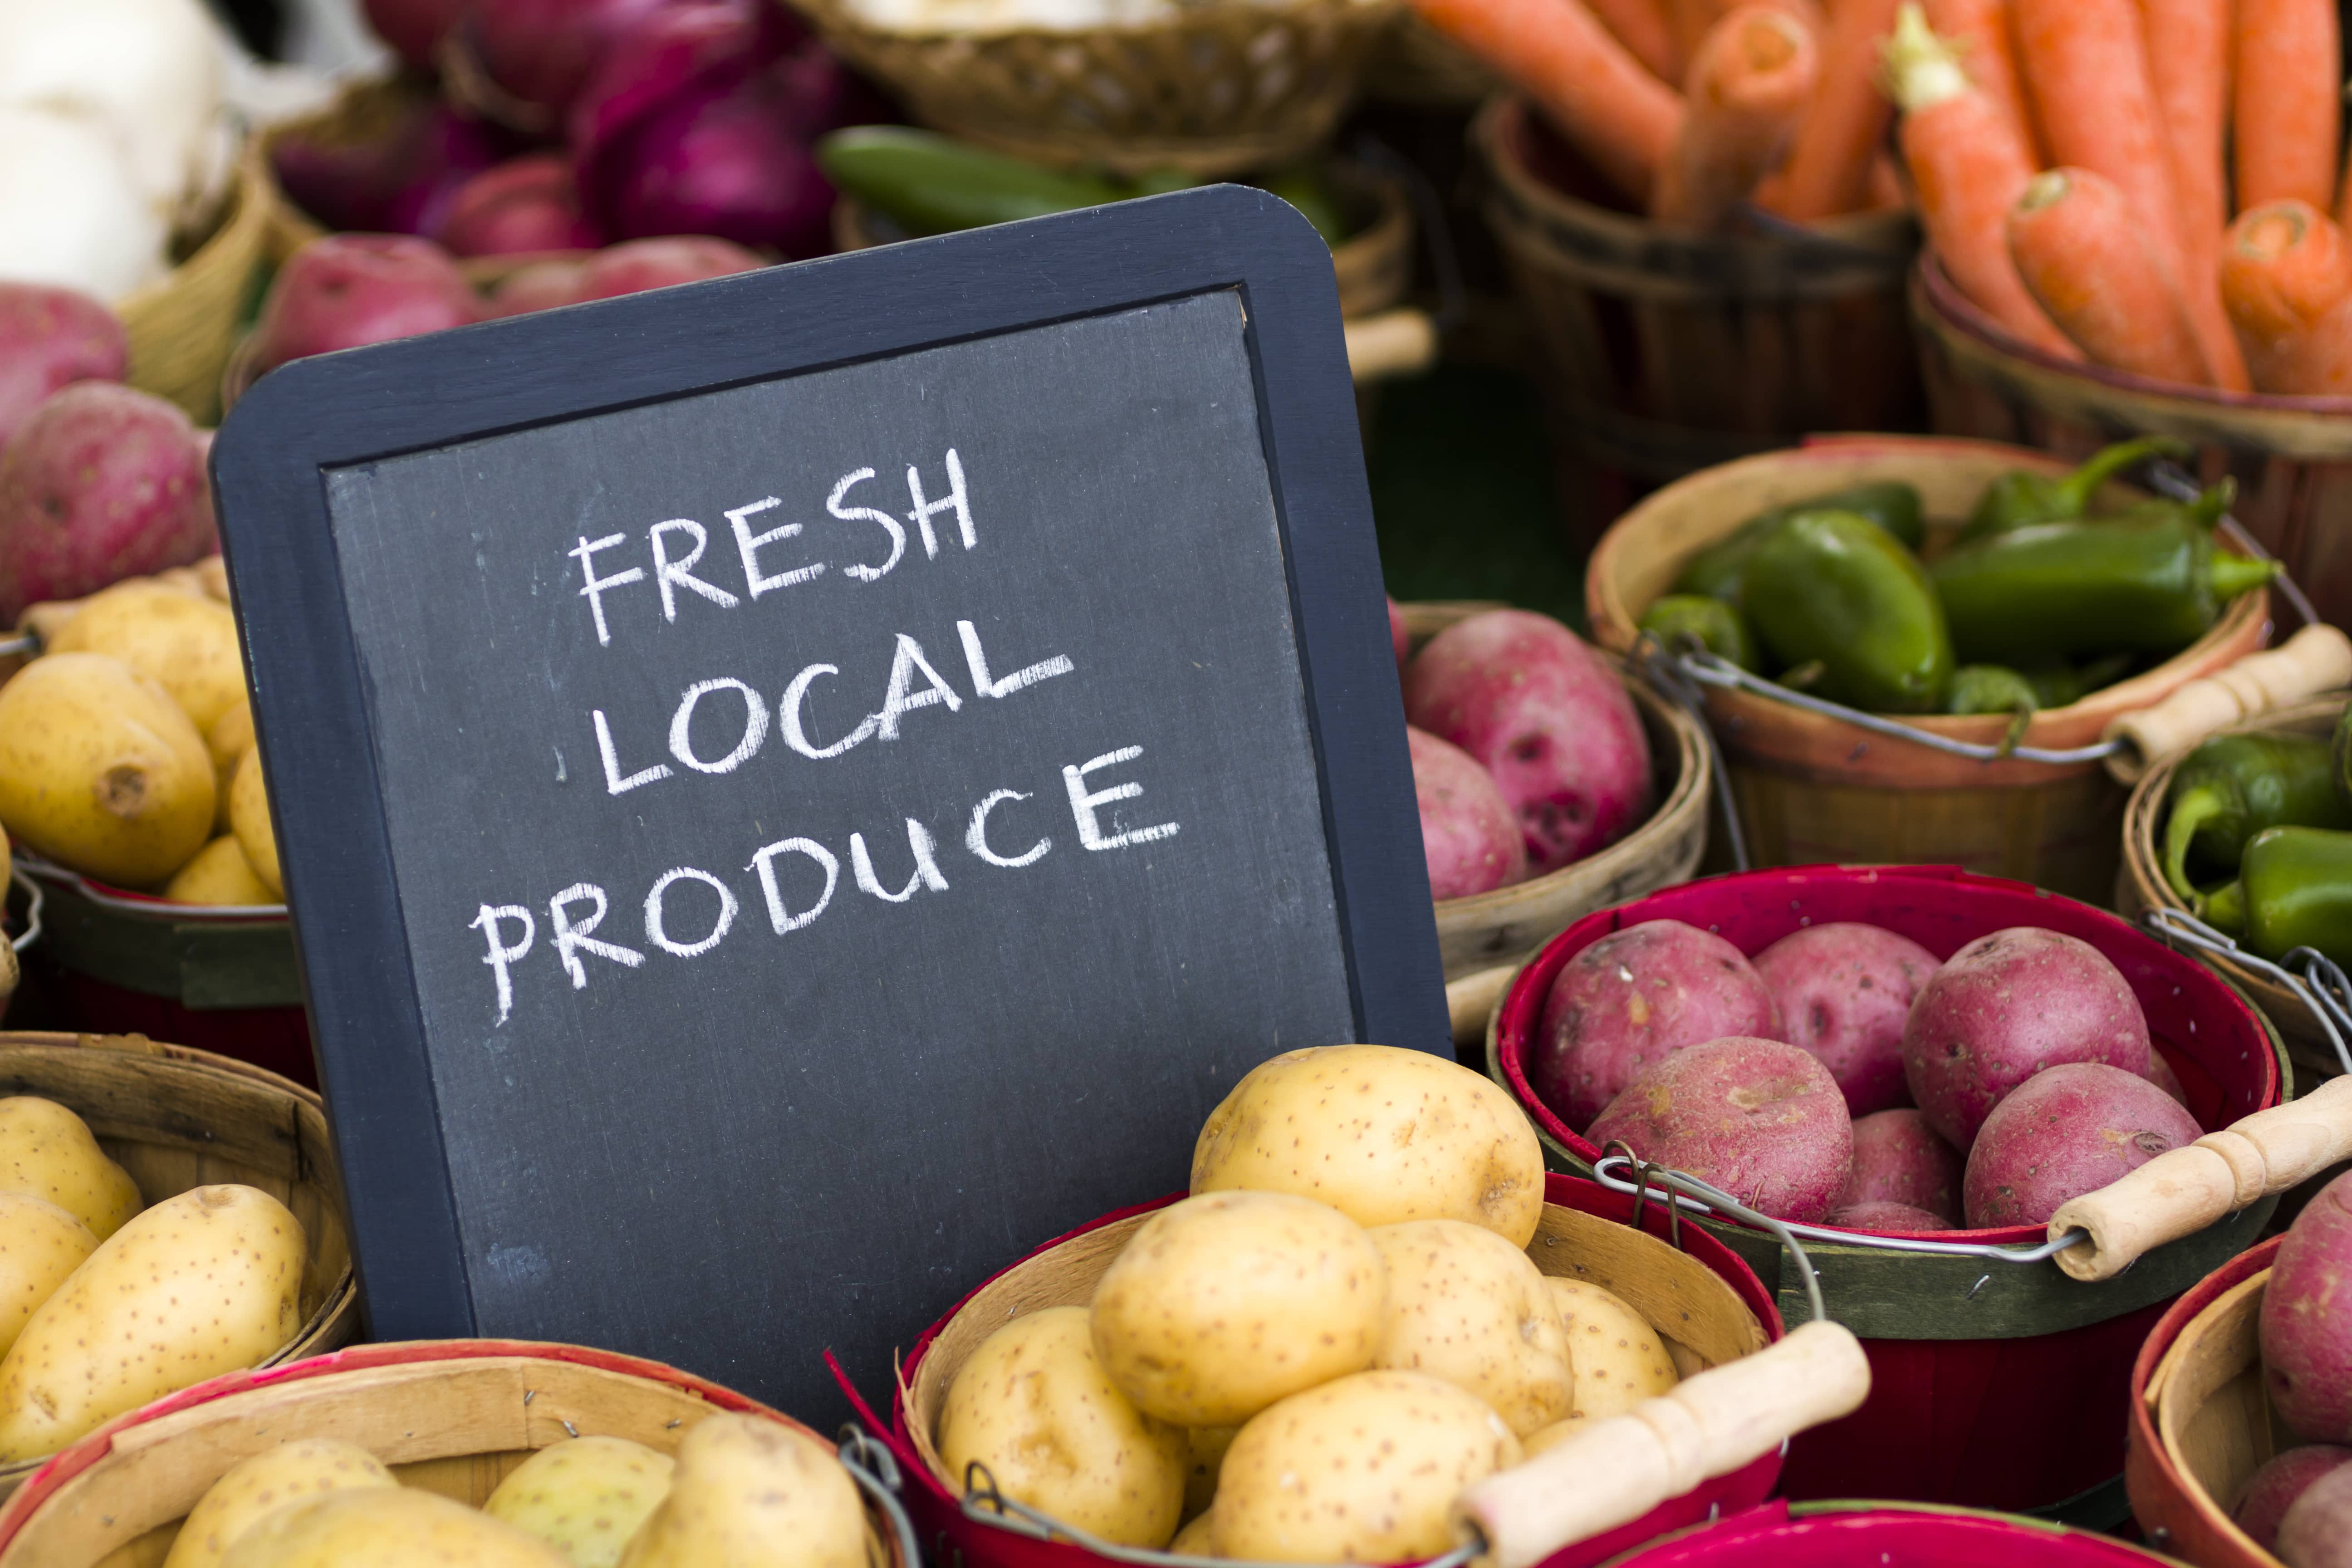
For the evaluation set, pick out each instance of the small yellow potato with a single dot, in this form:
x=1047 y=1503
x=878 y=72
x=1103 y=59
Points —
x=584 y=1497
x=100 y=771
x=1036 y=1406
x=227 y=741
x=40 y=1245
x=1467 y=1306
x=1224 y=1303
x=1381 y=1134
x=252 y=1489
x=1362 y=1469
x=45 y=1150
x=1205 y=1455
x=752 y=1493
x=219 y=874
x=184 y=642
x=1619 y=1358
x=201 y=1284
x=372 y=1527
x=248 y=819
x=1195 y=1538
x=1551 y=1436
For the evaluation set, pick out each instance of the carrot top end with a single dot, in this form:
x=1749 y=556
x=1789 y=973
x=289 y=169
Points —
x=1918 y=70
x=2045 y=188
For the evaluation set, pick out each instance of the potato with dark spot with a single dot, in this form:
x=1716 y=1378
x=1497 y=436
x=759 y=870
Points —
x=1844 y=991
x=1467 y=1306
x=1617 y=1355
x=584 y=1496
x=1898 y=1158
x=1760 y=1119
x=253 y=1488
x=2064 y=1132
x=101 y=770
x=748 y=1492
x=2306 y=1321
x=2271 y=1490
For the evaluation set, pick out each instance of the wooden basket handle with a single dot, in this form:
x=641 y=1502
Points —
x=1393 y=344
x=2184 y=1190
x=1614 y=1471
x=2316 y=660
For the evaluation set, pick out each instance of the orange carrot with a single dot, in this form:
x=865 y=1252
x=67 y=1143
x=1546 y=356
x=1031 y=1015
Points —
x=1968 y=163
x=2284 y=268
x=1886 y=192
x=1618 y=114
x=2085 y=255
x=1642 y=25
x=1749 y=83
x=2321 y=365
x=2289 y=108
x=1829 y=168
x=2189 y=75
x=1978 y=30
x=1692 y=20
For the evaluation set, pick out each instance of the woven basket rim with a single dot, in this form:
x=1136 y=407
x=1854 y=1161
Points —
x=837 y=16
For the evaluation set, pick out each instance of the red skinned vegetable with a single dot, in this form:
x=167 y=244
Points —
x=523 y=204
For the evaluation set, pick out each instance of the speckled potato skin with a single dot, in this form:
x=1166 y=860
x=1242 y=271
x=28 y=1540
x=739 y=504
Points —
x=1035 y=1405
x=201 y=1284
x=252 y=1489
x=584 y=1497
x=230 y=737
x=1364 y=1469
x=1618 y=1358
x=248 y=819
x=373 y=1527
x=1762 y=1120
x=1467 y=1306
x=1226 y=1303
x=100 y=770
x=184 y=644
x=40 y=1245
x=1383 y=1135
x=45 y=1150
x=219 y=874
x=752 y=1493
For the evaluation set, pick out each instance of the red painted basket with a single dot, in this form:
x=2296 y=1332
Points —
x=1994 y=1385
x=1571 y=1205
x=1873 y=1535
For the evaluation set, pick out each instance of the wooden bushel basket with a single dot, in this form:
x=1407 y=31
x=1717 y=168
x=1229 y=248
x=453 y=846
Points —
x=182 y=326
x=1995 y=1384
x=177 y=1118
x=452 y=1416
x=1876 y=1534
x=1815 y=789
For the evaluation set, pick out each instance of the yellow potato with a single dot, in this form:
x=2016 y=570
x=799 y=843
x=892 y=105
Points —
x=253 y=1488
x=1619 y=1358
x=201 y=1284
x=219 y=873
x=379 y=1528
x=1381 y=1134
x=227 y=741
x=1205 y=1455
x=1194 y=1539
x=1224 y=1303
x=584 y=1497
x=248 y=819
x=752 y=1493
x=45 y=1150
x=1362 y=1469
x=1035 y=1405
x=1551 y=1436
x=1467 y=1306
x=101 y=770
x=40 y=1245
x=184 y=642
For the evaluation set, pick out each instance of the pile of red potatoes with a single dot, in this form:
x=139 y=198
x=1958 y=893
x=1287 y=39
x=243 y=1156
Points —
x=2298 y=1506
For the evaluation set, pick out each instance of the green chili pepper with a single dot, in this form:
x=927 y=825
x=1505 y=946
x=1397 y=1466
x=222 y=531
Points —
x=1717 y=571
x=1719 y=629
x=928 y=184
x=2150 y=584
x=1836 y=587
x=2294 y=890
x=1991 y=689
x=2018 y=499
x=2062 y=685
x=2233 y=787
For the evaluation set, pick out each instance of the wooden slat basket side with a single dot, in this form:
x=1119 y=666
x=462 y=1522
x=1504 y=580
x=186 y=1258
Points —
x=176 y=1118
x=2214 y=1418
x=448 y=1416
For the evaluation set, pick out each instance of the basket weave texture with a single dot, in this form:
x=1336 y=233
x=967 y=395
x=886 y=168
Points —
x=182 y=325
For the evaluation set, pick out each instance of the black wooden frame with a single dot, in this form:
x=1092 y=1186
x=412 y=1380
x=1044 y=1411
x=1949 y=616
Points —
x=319 y=413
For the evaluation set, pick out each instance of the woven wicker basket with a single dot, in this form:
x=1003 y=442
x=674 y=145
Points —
x=366 y=111
x=182 y=325
x=1220 y=88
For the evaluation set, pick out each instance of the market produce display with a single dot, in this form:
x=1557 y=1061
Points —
x=2298 y=1504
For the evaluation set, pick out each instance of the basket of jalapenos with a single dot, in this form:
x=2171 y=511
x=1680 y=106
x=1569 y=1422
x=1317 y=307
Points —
x=1917 y=650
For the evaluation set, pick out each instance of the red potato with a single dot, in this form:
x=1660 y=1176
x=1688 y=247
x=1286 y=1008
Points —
x=643 y=264
x=1632 y=998
x=1900 y=1219
x=1899 y=1159
x=49 y=338
x=1844 y=990
x=1760 y=1119
x=1466 y=831
x=1544 y=714
x=2306 y=1322
x=102 y=482
x=2272 y=1489
x=1399 y=640
x=349 y=290
x=2003 y=1008
x=542 y=286
x=2316 y=1530
x=525 y=204
x=2064 y=1131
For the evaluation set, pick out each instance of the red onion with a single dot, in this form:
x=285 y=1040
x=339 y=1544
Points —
x=401 y=184
x=413 y=28
x=524 y=203
x=542 y=52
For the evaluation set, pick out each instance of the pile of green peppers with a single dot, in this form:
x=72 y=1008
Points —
x=2033 y=604
x=2272 y=814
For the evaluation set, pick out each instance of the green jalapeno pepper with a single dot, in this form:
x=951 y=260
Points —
x=930 y=184
x=1836 y=588
x=2062 y=685
x=2232 y=787
x=1717 y=571
x=1718 y=627
x=2019 y=499
x=2294 y=890
x=1991 y=689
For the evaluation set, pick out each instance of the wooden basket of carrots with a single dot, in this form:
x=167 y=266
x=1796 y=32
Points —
x=1701 y=226
x=2128 y=209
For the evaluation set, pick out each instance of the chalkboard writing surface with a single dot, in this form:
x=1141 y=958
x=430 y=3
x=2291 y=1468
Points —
x=838 y=826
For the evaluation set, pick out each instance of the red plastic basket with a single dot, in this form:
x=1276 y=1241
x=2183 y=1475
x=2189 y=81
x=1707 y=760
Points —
x=1877 y=1535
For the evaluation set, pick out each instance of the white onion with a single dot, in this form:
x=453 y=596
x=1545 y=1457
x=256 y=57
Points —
x=70 y=212
x=149 y=68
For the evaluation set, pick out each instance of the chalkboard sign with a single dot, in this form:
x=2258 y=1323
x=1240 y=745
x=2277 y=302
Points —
x=797 y=789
